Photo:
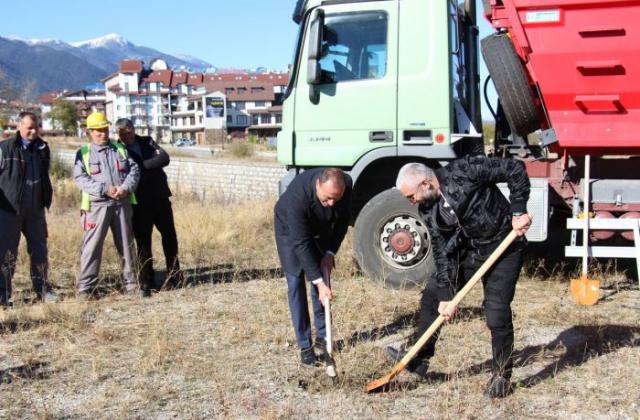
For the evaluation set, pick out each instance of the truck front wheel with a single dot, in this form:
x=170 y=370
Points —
x=391 y=242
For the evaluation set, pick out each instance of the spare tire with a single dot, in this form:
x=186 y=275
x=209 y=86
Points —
x=511 y=83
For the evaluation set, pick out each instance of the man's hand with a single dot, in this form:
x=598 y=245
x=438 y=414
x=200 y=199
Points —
x=112 y=192
x=324 y=292
x=327 y=263
x=521 y=223
x=122 y=192
x=446 y=310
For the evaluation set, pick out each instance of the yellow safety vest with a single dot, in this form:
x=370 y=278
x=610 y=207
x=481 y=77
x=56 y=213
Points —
x=85 y=152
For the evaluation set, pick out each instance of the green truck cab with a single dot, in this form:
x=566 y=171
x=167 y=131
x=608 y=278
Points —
x=374 y=85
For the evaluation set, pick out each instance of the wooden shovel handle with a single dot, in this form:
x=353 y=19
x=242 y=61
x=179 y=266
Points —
x=438 y=322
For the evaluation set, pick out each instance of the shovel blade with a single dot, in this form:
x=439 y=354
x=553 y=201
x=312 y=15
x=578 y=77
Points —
x=378 y=384
x=585 y=291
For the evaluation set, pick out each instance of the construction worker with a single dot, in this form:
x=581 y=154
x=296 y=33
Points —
x=468 y=217
x=108 y=178
x=153 y=207
x=25 y=192
x=311 y=220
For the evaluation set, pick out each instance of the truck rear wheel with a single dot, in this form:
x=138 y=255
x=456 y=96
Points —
x=391 y=242
x=511 y=83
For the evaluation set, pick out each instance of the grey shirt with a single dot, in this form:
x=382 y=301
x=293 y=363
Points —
x=107 y=168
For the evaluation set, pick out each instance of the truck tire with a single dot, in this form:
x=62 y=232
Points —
x=391 y=242
x=509 y=78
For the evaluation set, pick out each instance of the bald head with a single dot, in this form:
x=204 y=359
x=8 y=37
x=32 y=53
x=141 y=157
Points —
x=418 y=183
x=330 y=186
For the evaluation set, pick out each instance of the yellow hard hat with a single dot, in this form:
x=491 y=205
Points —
x=97 y=121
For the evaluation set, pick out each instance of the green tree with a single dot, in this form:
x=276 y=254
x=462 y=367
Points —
x=65 y=114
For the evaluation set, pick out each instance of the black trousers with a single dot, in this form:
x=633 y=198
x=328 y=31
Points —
x=499 y=288
x=160 y=215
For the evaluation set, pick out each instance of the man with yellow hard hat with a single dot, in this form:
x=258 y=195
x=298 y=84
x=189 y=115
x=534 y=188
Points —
x=108 y=178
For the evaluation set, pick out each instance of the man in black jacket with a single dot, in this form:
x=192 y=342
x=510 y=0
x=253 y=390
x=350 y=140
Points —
x=311 y=220
x=468 y=217
x=25 y=192
x=153 y=208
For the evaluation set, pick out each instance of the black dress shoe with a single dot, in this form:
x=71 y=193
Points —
x=499 y=387
x=416 y=366
x=308 y=357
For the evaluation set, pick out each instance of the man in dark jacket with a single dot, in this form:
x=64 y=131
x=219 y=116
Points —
x=468 y=217
x=311 y=220
x=153 y=208
x=25 y=192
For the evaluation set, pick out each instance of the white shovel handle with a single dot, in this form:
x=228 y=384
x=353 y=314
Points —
x=327 y=313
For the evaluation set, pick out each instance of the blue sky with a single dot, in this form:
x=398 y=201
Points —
x=225 y=33
x=236 y=33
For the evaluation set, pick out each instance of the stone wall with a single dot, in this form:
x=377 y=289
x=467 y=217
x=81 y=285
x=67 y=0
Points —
x=220 y=181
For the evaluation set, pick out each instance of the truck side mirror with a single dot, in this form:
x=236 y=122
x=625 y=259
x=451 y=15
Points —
x=314 y=72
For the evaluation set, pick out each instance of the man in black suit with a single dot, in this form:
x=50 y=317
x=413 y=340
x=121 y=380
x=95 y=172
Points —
x=154 y=206
x=311 y=220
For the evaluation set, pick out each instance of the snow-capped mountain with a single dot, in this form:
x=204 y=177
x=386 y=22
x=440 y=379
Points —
x=105 y=52
x=101 y=56
x=107 y=41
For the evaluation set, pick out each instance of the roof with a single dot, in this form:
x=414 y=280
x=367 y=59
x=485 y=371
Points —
x=179 y=77
x=233 y=90
x=109 y=77
x=49 y=98
x=278 y=79
x=195 y=79
x=131 y=66
x=161 y=76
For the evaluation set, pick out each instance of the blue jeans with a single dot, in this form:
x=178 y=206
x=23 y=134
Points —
x=298 y=307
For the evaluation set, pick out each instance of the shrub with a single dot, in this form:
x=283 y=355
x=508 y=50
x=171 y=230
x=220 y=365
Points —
x=57 y=168
x=241 y=150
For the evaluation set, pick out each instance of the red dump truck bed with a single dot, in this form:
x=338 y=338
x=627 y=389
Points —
x=584 y=55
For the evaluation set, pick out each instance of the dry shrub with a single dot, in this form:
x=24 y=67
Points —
x=241 y=149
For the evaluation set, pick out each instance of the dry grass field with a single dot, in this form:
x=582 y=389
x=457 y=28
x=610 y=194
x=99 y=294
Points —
x=223 y=347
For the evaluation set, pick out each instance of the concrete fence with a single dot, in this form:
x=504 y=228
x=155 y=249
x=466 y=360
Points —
x=220 y=181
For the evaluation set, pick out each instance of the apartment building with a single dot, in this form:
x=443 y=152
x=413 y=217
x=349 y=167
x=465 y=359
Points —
x=206 y=107
x=86 y=102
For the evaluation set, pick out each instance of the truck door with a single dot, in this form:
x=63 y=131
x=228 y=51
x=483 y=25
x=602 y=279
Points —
x=355 y=106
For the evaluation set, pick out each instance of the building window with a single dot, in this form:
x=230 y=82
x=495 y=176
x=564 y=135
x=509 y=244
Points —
x=242 y=90
x=242 y=120
x=259 y=104
x=229 y=119
x=255 y=120
x=278 y=118
x=192 y=120
x=126 y=86
x=240 y=106
x=257 y=89
x=228 y=90
x=200 y=119
x=266 y=118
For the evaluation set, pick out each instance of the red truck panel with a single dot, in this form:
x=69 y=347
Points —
x=585 y=57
